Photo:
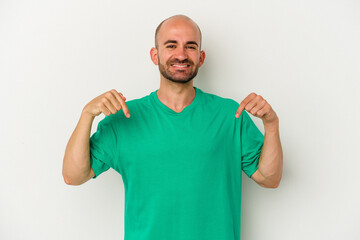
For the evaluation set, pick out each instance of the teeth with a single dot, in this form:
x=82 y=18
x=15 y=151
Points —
x=179 y=65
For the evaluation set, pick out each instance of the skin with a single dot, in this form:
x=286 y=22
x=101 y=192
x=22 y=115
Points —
x=270 y=168
x=76 y=164
x=178 y=55
x=178 y=41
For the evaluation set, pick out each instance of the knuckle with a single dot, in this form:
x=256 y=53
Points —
x=104 y=100
x=108 y=94
x=114 y=92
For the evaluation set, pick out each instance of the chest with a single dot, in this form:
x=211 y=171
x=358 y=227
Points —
x=158 y=150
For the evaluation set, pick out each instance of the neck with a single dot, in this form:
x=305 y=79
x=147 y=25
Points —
x=176 y=96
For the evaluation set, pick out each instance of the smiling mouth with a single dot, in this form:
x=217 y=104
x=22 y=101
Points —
x=180 y=66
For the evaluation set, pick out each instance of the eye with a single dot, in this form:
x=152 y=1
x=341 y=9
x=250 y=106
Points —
x=170 y=46
x=192 y=47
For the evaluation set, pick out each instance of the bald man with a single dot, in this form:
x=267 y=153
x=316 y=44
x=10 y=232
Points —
x=180 y=151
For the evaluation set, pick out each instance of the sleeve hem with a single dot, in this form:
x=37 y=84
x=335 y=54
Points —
x=252 y=172
x=97 y=173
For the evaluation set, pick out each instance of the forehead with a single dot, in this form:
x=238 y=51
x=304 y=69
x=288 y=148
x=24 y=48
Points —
x=181 y=30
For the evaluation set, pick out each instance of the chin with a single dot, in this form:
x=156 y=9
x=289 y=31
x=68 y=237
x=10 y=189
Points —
x=180 y=80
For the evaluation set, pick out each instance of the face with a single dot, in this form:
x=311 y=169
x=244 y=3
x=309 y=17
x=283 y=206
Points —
x=178 y=53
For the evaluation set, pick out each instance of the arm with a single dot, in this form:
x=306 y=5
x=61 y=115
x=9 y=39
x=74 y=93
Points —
x=270 y=167
x=76 y=164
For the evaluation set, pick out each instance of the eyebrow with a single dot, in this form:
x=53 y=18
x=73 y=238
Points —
x=174 y=41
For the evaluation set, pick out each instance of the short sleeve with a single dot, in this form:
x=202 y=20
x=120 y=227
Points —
x=252 y=141
x=102 y=147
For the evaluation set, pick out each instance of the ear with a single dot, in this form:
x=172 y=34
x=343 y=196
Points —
x=202 y=58
x=154 y=56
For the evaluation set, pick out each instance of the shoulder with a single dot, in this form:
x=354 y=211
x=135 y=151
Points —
x=219 y=101
x=134 y=105
x=139 y=102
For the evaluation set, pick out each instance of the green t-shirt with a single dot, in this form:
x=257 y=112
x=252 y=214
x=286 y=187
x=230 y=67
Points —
x=181 y=171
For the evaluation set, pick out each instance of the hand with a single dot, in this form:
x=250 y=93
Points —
x=107 y=103
x=259 y=107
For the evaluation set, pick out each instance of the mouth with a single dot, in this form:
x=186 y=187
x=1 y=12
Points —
x=180 y=66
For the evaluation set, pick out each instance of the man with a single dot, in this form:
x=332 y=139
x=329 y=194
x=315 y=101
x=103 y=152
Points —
x=182 y=151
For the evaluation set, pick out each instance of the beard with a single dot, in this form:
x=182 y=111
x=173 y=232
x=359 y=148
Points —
x=179 y=76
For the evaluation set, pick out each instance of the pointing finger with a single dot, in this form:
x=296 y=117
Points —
x=244 y=103
x=122 y=96
x=122 y=99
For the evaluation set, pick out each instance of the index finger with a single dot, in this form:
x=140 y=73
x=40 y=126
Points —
x=122 y=103
x=244 y=103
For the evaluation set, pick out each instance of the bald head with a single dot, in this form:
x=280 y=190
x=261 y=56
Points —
x=172 y=22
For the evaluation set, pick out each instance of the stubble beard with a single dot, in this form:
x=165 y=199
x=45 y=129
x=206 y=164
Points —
x=165 y=72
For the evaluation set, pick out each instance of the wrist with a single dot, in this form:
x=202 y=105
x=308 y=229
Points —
x=272 y=127
x=87 y=115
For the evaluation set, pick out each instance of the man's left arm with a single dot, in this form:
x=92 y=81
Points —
x=269 y=172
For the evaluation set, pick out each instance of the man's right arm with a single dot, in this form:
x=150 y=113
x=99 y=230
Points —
x=76 y=164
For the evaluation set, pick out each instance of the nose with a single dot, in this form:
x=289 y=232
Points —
x=181 y=53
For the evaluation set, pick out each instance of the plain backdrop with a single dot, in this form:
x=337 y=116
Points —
x=302 y=56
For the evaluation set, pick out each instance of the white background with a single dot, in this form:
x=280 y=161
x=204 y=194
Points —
x=302 y=56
